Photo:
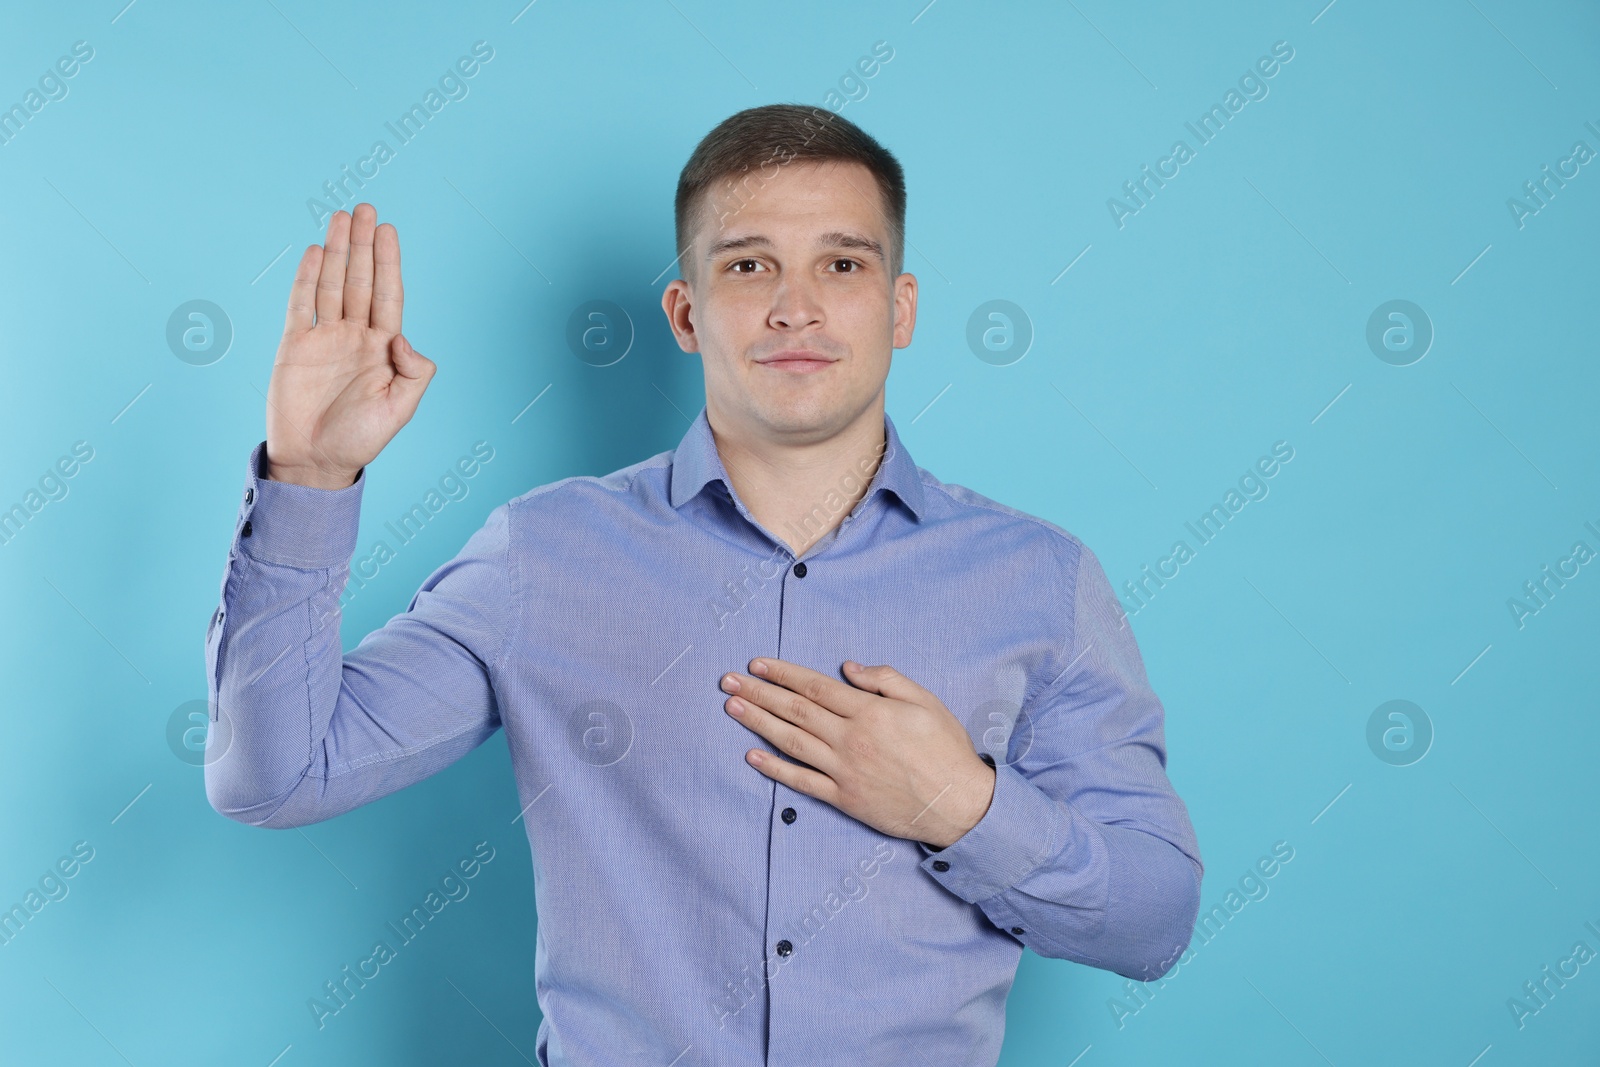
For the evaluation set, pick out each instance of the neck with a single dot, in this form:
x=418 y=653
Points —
x=801 y=490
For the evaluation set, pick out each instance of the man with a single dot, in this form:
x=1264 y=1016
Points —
x=940 y=746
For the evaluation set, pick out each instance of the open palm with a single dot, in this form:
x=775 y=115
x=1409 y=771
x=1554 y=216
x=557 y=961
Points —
x=345 y=380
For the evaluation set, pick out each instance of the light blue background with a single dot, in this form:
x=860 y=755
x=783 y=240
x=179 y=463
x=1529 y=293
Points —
x=1226 y=315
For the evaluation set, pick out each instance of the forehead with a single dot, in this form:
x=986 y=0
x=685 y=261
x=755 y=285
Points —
x=796 y=199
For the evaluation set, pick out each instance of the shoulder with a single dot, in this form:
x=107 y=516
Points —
x=1053 y=574
x=584 y=491
x=1006 y=527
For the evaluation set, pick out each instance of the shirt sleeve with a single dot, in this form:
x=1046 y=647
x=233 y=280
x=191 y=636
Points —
x=301 y=732
x=1086 y=851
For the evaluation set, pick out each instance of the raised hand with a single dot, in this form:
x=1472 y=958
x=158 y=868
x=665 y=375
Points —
x=345 y=380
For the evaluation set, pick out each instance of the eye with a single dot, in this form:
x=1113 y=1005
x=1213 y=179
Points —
x=850 y=263
x=734 y=266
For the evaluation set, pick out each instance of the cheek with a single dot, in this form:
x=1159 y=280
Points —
x=730 y=327
x=866 y=320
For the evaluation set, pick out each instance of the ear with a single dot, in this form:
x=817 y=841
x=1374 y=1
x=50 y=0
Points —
x=677 y=300
x=905 y=309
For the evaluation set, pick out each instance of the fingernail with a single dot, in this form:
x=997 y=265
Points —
x=758 y=666
x=735 y=708
x=730 y=683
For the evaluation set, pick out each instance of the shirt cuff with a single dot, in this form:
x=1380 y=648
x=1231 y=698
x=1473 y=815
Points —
x=296 y=525
x=1023 y=827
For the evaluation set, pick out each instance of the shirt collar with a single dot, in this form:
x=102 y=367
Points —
x=696 y=463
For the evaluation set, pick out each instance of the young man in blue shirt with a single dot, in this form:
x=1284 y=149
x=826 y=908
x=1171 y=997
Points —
x=810 y=743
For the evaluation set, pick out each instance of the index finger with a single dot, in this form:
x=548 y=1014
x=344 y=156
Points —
x=388 y=295
x=836 y=696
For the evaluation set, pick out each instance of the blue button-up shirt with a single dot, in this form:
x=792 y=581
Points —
x=690 y=909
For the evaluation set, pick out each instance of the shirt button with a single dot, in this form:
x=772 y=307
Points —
x=788 y=815
x=940 y=865
x=1016 y=929
x=800 y=569
x=249 y=495
x=245 y=532
x=784 y=948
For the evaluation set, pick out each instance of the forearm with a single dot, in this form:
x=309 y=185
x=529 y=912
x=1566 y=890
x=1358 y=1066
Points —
x=303 y=732
x=273 y=659
x=1111 y=896
x=274 y=662
x=1152 y=898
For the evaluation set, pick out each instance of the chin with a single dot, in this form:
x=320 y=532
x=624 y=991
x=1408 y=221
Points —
x=793 y=419
x=806 y=415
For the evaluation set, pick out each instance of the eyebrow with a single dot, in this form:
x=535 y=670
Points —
x=832 y=239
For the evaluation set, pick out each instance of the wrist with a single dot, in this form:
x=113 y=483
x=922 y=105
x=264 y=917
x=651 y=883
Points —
x=312 y=477
x=978 y=797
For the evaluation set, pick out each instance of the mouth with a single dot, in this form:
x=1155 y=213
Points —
x=796 y=361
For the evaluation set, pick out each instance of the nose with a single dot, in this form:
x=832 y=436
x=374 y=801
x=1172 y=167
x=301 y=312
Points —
x=795 y=304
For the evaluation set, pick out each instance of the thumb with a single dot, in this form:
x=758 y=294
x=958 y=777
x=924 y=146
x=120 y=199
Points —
x=413 y=371
x=884 y=680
